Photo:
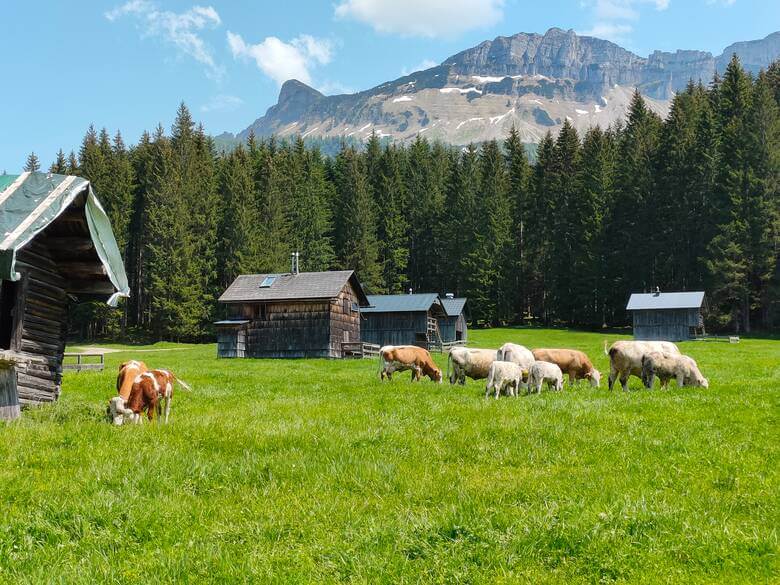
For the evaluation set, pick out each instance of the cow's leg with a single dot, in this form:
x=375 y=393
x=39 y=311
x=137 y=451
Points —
x=167 y=407
x=498 y=389
x=613 y=374
x=680 y=380
x=624 y=382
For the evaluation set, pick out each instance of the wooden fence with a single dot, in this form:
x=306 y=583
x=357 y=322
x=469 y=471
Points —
x=358 y=349
x=81 y=362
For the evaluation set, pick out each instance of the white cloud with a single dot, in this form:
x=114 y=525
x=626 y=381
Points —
x=282 y=61
x=613 y=18
x=421 y=66
x=177 y=28
x=423 y=18
x=222 y=103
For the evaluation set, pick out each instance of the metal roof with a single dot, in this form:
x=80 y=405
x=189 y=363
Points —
x=401 y=303
x=289 y=287
x=453 y=307
x=671 y=300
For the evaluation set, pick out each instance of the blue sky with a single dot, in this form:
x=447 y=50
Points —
x=127 y=64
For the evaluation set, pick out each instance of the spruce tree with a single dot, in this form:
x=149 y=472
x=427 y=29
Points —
x=60 y=164
x=33 y=165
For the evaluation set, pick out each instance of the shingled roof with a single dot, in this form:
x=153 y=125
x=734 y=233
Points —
x=455 y=306
x=289 y=287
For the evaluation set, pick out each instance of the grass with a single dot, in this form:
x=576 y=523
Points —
x=314 y=471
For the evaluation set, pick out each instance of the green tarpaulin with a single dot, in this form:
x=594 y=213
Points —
x=31 y=201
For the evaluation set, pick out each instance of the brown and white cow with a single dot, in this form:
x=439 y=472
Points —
x=572 y=362
x=397 y=358
x=128 y=372
x=149 y=391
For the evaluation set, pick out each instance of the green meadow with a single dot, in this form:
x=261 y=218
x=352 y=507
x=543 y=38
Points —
x=314 y=471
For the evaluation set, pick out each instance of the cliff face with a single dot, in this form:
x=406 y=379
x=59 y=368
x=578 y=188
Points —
x=531 y=81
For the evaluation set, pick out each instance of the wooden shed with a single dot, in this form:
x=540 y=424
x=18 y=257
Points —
x=413 y=319
x=673 y=316
x=292 y=315
x=453 y=326
x=56 y=246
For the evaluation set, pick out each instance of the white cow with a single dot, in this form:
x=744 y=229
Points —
x=625 y=358
x=667 y=366
x=518 y=354
x=504 y=375
x=544 y=372
x=469 y=361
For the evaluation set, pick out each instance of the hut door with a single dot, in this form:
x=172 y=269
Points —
x=8 y=302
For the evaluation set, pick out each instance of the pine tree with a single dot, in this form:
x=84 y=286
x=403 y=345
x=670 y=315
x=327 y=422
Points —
x=33 y=165
x=273 y=249
x=393 y=227
x=60 y=164
x=519 y=176
x=355 y=221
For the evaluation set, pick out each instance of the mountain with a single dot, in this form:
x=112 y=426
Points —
x=531 y=81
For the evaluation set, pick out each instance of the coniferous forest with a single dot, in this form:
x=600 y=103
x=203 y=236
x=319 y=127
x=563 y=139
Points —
x=691 y=202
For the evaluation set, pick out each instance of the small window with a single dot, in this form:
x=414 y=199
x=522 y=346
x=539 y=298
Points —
x=8 y=292
x=268 y=280
x=260 y=312
x=346 y=337
x=355 y=308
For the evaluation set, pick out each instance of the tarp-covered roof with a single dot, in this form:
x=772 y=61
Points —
x=670 y=300
x=31 y=201
x=420 y=302
x=289 y=287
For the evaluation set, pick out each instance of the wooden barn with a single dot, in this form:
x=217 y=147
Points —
x=56 y=246
x=292 y=315
x=453 y=326
x=413 y=319
x=673 y=316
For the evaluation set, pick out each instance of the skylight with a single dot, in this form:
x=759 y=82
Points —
x=268 y=280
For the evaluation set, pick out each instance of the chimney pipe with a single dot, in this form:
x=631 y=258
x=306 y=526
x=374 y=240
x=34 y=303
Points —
x=294 y=262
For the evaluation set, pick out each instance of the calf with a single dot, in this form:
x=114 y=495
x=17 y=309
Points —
x=504 y=375
x=397 y=358
x=572 y=362
x=469 y=361
x=150 y=390
x=128 y=372
x=544 y=372
x=625 y=358
x=667 y=366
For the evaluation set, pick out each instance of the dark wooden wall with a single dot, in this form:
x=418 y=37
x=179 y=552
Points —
x=450 y=326
x=407 y=328
x=665 y=324
x=295 y=329
x=41 y=332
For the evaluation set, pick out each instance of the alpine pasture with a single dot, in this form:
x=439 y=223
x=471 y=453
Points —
x=313 y=470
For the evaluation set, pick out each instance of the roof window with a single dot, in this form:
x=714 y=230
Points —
x=268 y=280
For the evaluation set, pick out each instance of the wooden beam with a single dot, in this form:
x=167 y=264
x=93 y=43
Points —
x=90 y=287
x=78 y=269
x=69 y=244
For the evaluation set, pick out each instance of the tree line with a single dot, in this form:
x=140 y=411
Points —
x=690 y=202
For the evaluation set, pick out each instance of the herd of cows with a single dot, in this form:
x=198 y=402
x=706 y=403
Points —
x=514 y=367
x=508 y=370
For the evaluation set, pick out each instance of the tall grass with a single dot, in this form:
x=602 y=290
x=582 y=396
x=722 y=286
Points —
x=313 y=470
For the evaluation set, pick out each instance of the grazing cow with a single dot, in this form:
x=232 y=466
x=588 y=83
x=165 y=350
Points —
x=150 y=390
x=469 y=361
x=625 y=358
x=397 y=358
x=504 y=376
x=128 y=372
x=572 y=362
x=667 y=366
x=544 y=372
x=518 y=354
x=119 y=413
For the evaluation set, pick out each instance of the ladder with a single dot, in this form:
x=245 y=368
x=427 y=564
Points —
x=433 y=334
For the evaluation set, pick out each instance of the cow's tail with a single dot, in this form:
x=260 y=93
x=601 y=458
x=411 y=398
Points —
x=449 y=361
x=606 y=352
x=183 y=383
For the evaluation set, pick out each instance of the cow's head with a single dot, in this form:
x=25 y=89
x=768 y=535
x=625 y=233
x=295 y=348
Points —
x=595 y=377
x=118 y=412
x=434 y=374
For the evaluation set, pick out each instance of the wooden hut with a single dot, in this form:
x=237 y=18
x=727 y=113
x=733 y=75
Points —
x=452 y=325
x=57 y=245
x=292 y=315
x=673 y=316
x=414 y=319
